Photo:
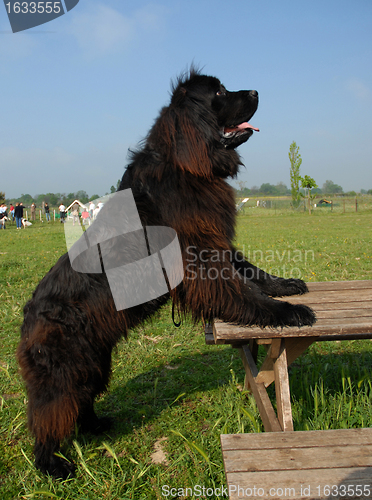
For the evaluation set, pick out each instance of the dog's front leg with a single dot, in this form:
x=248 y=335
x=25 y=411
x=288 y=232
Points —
x=213 y=288
x=268 y=283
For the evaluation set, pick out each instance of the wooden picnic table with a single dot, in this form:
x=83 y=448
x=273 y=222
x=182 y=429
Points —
x=344 y=312
x=307 y=463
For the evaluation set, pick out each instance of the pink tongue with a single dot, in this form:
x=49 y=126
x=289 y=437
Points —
x=242 y=126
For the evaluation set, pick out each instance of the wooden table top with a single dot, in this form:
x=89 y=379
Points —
x=343 y=310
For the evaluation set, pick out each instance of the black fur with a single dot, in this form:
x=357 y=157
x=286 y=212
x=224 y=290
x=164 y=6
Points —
x=178 y=180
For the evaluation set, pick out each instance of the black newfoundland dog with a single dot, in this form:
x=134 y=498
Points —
x=178 y=179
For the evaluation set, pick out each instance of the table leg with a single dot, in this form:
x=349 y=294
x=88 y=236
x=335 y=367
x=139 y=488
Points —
x=281 y=353
x=267 y=412
x=283 y=396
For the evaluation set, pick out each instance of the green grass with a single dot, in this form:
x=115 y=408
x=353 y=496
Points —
x=167 y=383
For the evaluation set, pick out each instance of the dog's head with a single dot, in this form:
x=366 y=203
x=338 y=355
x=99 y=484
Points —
x=202 y=126
x=226 y=112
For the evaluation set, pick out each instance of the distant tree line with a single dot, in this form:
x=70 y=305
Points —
x=280 y=189
x=266 y=189
x=55 y=199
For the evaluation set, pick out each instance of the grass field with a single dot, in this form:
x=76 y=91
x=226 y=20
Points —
x=170 y=394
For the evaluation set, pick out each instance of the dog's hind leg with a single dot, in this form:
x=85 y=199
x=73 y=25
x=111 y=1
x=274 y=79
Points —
x=53 y=404
x=50 y=422
x=88 y=421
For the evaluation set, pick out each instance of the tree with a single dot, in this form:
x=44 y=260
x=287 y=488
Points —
x=308 y=183
x=82 y=196
x=2 y=197
x=268 y=189
x=329 y=187
x=296 y=160
x=26 y=199
x=51 y=199
x=241 y=185
x=282 y=189
x=39 y=198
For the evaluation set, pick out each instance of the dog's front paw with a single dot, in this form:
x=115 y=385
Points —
x=292 y=287
x=300 y=315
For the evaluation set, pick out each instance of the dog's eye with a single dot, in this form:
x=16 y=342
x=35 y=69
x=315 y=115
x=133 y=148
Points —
x=220 y=92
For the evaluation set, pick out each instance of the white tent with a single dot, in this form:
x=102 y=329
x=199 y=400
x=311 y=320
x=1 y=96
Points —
x=79 y=203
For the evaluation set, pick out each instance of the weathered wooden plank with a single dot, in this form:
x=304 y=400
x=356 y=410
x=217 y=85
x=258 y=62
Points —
x=266 y=374
x=297 y=439
x=283 y=395
x=346 y=306
x=227 y=332
x=263 y=402
x=297 y=458
x=297 y=465
x=344 y=314
x=330 y=296
x=267 y=368
x=330 y=306
x=339 y=285
x=275 y=348
x=311 y=484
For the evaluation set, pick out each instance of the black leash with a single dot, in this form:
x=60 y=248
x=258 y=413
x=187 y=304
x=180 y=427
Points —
x=177 y=325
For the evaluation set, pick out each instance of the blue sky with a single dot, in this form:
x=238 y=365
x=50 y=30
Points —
x=77 y=92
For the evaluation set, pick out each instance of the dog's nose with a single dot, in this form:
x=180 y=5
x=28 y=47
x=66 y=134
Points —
x=253 y=93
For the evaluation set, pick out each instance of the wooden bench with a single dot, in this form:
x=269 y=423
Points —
x=299 y=465
x=344 y=312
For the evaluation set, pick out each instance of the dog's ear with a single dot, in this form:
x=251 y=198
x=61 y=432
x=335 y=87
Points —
x=177 y=136
x=190 y=148
x=178 y=97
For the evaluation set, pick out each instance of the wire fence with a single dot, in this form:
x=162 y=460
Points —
x=322 y=205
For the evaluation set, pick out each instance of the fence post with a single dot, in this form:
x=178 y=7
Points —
x=356 y=204
x=54 y=215
x=344 y=206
